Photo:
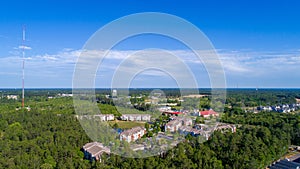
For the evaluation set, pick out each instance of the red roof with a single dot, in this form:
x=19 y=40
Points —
x=208 y=112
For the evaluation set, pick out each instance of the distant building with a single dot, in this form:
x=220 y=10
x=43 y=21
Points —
x=136 y=117
x=167 y=104
x=114 y=93
x=264 y=108
x=132 y=134
x=65 y=95
x=164 y=108
x=195 y=96
x=105 y=117
x=208 y=113
x=102 y=117
x=283 y=108
x=94 y=150
x=14 y=97
x=225 y=127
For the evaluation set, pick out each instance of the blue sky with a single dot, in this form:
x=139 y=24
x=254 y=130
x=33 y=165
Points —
x=258 y=41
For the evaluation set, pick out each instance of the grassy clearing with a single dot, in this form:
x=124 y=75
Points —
x=127 y=124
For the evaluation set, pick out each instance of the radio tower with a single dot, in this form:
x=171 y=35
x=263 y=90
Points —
x=23 y=66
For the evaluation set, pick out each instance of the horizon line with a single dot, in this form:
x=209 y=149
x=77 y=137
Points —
x=30 y=88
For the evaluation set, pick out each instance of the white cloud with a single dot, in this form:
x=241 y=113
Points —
x=25 y=47
x=236 y=64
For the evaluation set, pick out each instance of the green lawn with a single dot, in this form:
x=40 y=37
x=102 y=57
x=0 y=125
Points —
x=126 y=124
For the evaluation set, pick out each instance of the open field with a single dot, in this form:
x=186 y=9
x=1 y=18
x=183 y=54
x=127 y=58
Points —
x=126 y=124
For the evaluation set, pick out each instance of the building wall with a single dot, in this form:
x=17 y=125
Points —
x=132 y=137
x=136 y=117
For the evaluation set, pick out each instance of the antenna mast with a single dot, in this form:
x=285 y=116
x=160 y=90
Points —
x=23 y=66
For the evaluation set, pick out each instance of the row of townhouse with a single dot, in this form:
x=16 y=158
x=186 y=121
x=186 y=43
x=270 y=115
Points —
x=284 y=108
x=13 y=97
x=101 y=117
x=132 y=134
x=65 y=95
x=177 y=122
x=110 y=117
x=105 y=117
x=136 y=117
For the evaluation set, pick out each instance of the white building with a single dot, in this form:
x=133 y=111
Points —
x=102 y=117
x=65 y=95
x=164 y=108
x=105 y=117
x=136 y=117
x=177 y=122
x=132 y=134
x=114 y=93
x=173 y=125
x=14 y=97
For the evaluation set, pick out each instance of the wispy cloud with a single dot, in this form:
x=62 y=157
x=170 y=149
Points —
x=260 y=63
x=25 y=47
x=236 y=64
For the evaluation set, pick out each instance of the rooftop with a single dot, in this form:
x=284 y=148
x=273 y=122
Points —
x=207 y=112
x=132 y=131
x=96 y=148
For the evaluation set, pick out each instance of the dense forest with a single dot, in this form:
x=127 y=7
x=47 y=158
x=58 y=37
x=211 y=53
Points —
x=49 y=136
